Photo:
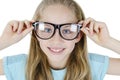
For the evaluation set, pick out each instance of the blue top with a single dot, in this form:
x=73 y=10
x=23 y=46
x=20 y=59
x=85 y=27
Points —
x=14 y=67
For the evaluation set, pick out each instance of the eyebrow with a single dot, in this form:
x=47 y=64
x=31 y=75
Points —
x=59 y=24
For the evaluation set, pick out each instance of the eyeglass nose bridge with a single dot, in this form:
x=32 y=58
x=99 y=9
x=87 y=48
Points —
x=56 y=26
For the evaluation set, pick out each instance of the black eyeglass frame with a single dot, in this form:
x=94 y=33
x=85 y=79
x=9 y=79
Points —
x=56 y=26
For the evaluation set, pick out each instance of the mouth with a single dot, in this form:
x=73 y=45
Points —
x=56 y=50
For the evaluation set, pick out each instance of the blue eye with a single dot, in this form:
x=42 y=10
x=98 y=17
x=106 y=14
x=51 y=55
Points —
x=48 y=30
x=66 y=31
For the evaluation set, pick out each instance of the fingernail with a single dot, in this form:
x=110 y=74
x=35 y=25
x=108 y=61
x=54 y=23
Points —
x=87 y=28
x=82 y=29
x=91 y=33
x=18 y=32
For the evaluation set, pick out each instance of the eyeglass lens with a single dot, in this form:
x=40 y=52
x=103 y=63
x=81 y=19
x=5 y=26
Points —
x=67 y=31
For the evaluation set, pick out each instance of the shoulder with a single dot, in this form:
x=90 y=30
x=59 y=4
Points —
x=14 y=67
x=15 y=59
x=97 y=57
x=99 y=65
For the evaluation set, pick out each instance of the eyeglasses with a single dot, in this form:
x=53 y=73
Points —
x=46 y=30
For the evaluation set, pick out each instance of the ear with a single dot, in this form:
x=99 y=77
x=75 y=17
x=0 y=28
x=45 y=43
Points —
x=78 y=37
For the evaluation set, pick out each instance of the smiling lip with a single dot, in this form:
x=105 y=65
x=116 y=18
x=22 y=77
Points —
x=56 y=50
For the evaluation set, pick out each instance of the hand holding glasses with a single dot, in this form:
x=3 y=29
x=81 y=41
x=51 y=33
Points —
x=46 y=30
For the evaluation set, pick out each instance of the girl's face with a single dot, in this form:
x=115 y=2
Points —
x=56 y=48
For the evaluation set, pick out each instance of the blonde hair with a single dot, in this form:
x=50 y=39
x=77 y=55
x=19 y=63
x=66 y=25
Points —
x=77 y=67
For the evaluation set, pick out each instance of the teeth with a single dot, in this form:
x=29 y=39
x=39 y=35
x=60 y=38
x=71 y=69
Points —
x=56 y=50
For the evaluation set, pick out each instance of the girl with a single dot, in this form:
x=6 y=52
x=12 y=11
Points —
x=58 y=49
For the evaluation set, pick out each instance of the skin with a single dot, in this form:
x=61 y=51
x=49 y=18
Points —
x=57 y=49
x=95 y=30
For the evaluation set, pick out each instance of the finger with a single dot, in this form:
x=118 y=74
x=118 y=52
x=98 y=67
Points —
x=91 y=27
x=88 y=24
x=87 y=21
x=102 y=24
x=32 y=21
x=26 y=31
x=81 y=22
x=21 y=26
x=99 y=26
x=13 y=25
x=27 y=23
x=96 y=27
x=85 y=30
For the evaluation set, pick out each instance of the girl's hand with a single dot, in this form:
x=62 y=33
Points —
x=14 y=32
x=97 y=31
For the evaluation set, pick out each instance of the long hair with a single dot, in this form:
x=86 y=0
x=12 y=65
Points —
x=77 y=67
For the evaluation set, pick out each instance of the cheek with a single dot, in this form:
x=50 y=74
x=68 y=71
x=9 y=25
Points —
x=70 y=47
x=42 y=45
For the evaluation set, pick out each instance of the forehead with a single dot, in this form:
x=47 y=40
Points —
x=58 y=14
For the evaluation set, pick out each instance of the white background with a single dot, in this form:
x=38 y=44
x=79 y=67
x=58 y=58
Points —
x=101 y=10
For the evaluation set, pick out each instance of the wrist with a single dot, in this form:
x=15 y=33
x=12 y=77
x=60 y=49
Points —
x=109 y=43
x=113 y=45
x=3 y=44
x=106 y=42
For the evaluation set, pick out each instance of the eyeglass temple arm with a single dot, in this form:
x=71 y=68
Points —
x=34 y=23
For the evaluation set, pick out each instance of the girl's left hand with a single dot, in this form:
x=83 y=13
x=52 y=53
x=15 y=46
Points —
x=97 y=31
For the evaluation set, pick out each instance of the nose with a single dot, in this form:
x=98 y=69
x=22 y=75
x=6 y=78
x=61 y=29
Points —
x=57 y=36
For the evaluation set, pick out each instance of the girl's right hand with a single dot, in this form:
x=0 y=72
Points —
x=14 y=32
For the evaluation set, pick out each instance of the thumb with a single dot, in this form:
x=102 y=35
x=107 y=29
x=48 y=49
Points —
x=85 y=30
